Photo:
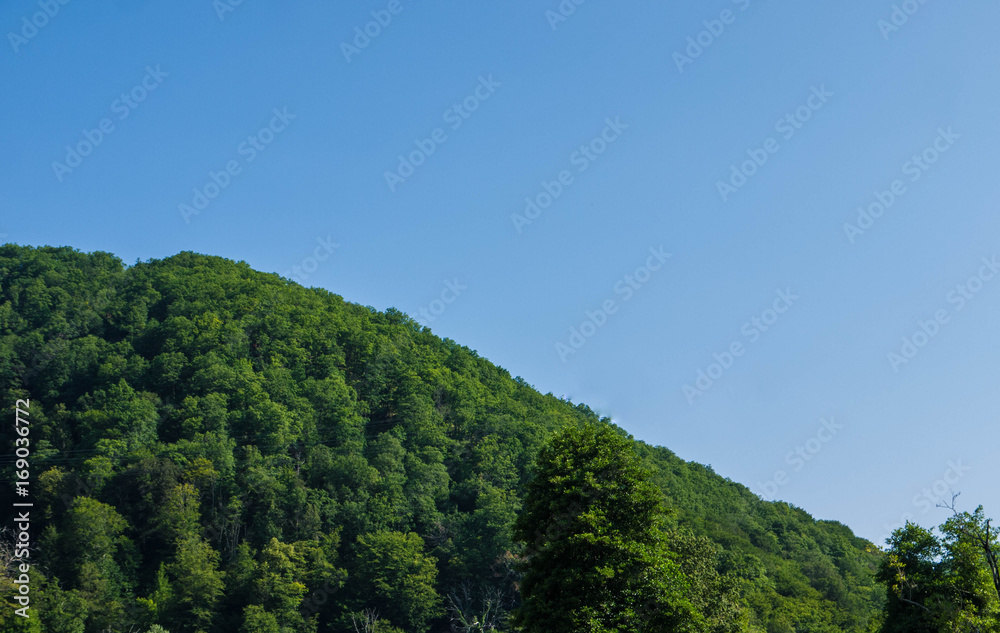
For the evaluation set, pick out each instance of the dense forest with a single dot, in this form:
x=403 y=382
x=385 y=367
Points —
x=215 y=449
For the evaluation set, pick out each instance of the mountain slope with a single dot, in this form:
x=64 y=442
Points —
x=241 y=453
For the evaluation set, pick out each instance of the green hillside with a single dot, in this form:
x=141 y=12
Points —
x=218 y=449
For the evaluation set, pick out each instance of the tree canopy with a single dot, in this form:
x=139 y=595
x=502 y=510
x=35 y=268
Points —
x=596 y=549
x=944 y=582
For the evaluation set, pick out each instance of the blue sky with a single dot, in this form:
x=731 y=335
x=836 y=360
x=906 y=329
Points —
x=623 y=129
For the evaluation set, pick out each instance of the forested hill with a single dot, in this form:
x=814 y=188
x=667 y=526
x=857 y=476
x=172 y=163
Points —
x=219 y=449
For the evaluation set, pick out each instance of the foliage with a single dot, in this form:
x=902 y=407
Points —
x=942 y=583
x=595 y=551
x=219 y=449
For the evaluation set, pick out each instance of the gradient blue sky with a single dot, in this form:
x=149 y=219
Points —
x=324 y=177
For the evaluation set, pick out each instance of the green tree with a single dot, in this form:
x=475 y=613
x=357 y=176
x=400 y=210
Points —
x=179 y=513
x=157 y=606
x=279 y=583
x=100 y=558
x=980 y=539
x=939 y=584
x=714 y=595
x=197 y=584
x=119 y=413
x=595 y=553
x=258 y=620
x=395 y=576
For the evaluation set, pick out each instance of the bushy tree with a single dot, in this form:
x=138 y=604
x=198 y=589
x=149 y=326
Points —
x=595 y=553
x=941 y=584
x=396 y=577
x=197 y=584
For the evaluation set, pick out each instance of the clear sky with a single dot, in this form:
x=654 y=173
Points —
x=628 y=134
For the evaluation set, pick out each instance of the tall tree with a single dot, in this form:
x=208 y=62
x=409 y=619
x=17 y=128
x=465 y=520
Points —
x=909 y=573
x=595 y=553
x=197 y=584
x=976 y=530
x=938 y=584
x=395 y=575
